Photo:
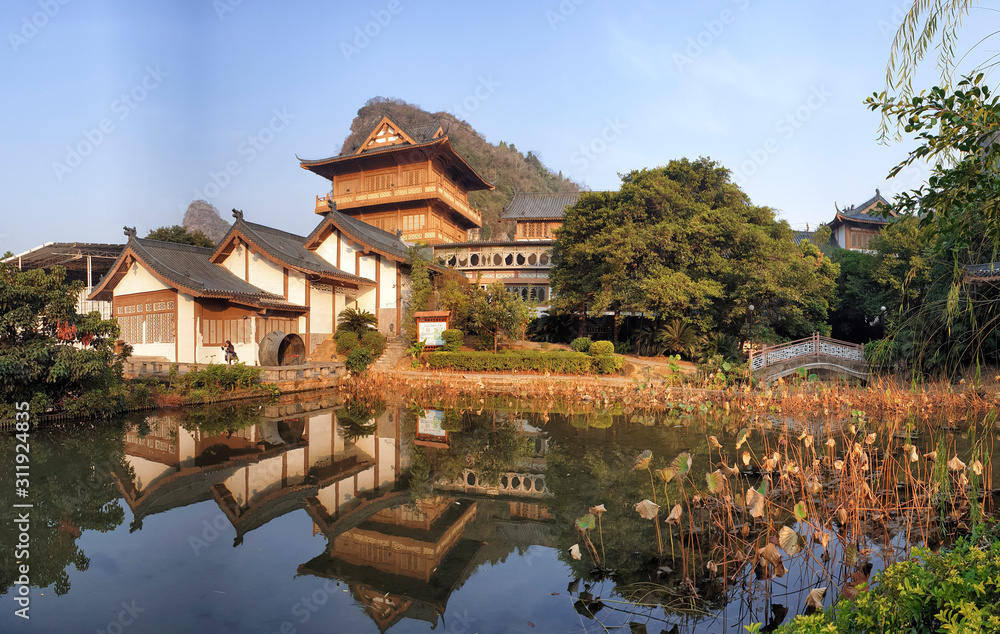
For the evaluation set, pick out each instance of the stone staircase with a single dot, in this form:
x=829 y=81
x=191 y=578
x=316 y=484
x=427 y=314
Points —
x=395 y=350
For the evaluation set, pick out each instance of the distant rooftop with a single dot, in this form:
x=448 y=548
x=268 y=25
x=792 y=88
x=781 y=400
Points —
x=538 y=206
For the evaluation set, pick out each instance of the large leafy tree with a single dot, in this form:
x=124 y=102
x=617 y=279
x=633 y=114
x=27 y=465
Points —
x=179 y=234
x=499 y=314
x=682 y=242
x=50 y=356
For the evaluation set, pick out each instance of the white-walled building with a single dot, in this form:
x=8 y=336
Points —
x=273 y=294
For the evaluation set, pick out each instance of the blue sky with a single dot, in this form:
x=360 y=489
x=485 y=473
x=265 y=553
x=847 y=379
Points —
x=121 y=113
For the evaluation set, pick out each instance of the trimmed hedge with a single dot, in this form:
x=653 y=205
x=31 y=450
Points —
x=601 y=347
x=453 y=339
x=581 y=344
x=607 y=363
x=558 y=361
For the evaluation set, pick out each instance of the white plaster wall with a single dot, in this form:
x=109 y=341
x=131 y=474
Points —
x=340 y=305
x=328 y=249
x=366 y=480
x=348 y=261
x=235 y=262
x=296 y=287
x=165 y=350
x=186 y=328
x=367 y=268
x=321 y=310
x=327 y=496
x=366 y=300
x=266 y=274
x=265 y=476
x=138 y=280
x=841 y=235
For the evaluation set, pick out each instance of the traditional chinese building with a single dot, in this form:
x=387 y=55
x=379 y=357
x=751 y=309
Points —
x=408 y=181
x=854 y=227
x=275 y=295
x=522 y=264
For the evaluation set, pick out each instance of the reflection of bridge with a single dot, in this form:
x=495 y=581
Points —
x=813 y=353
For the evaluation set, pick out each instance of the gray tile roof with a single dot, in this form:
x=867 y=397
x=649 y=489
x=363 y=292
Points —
x=360 y=231
x=290 y=248
x=866 y=211
x=990 y=271
x=190 y=267
x=422 y=131
x=538 y=206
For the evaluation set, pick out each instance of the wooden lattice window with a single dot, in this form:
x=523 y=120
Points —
x=378 y=182
x=414 y=177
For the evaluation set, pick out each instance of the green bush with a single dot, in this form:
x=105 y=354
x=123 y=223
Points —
x=217 y=377
x=953 y=591
x=359 y=359
x=558 y=361
x=606 y=363
x=374 y=341
x=581 y=344
x=453 y=339
x=601 y=347
x=347 y=340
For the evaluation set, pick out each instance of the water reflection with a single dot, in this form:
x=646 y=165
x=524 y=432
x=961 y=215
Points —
x=412 y=503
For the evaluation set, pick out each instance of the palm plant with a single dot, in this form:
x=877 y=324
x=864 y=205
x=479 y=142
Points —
x=677 y=337
x=357 y=320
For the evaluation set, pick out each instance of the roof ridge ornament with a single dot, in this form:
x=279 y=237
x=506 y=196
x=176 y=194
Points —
x=129 y=231
x=238 y=214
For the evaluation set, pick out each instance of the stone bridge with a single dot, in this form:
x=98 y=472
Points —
x=813 y=353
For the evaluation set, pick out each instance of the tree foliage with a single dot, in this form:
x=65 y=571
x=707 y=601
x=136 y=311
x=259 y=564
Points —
x=500 y=314
x=179 y=234
x=50 y=356
x=682 y=242
x=420 y=290
x=358 y=321
x=962 y=126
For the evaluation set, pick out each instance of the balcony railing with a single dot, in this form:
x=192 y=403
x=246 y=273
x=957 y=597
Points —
x=442 y=190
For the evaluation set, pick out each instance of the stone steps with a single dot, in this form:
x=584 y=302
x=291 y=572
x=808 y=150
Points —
x=395 y=350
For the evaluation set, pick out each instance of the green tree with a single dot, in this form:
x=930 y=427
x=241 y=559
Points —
x=179 y=234
x=499 y=314
x=420 y=290
x=50 y=356
x=682 y=242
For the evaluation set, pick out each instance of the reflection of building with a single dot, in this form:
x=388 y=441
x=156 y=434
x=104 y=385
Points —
x=296 y=456
x=522 y=264
x=854 y=227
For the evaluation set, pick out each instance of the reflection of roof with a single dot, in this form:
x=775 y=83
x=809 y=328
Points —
x=189 y=269
x=287 y=248
x=370 y=237
x=538 y=206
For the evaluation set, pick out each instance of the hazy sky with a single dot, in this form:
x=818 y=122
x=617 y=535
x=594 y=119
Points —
x=121 y=113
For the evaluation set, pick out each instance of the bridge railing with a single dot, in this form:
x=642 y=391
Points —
x=815 y=345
